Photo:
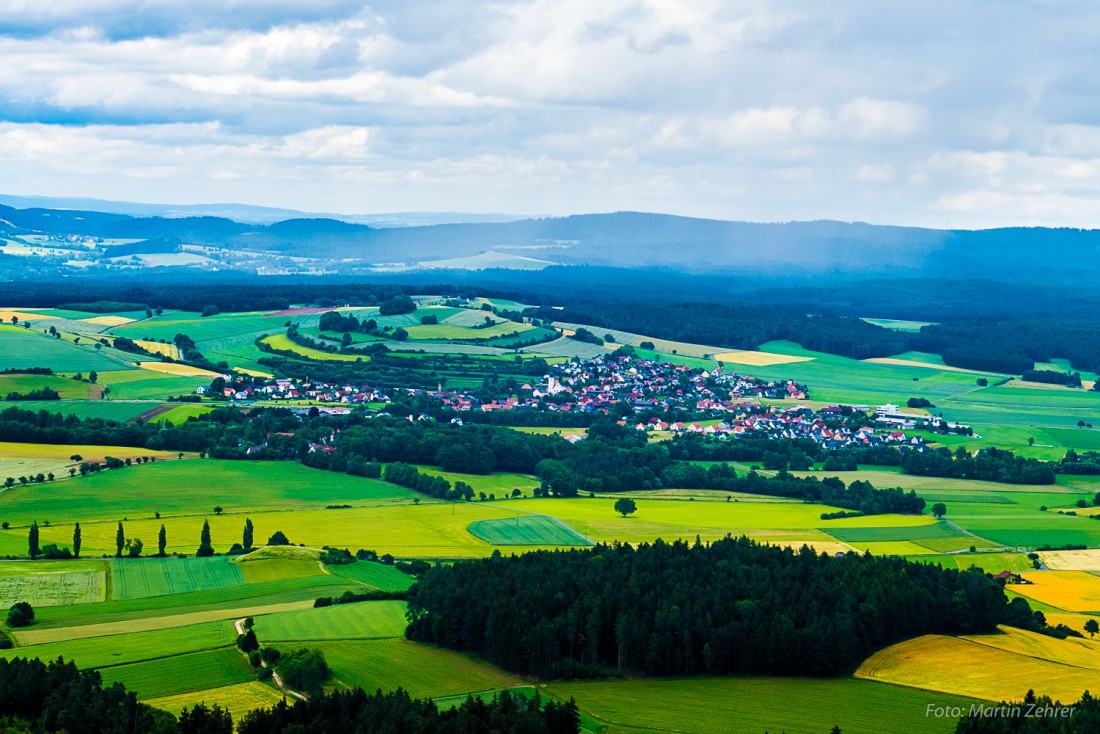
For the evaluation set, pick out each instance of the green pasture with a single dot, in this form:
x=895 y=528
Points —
x=226 y=599
x=359 y=621
x=21 y=348
x=421 y=670
x=137 y=578
x=177 y=674
x=148 y=385
x=566 y=347
x=526 y=530
x=181 y=413
x=375 y=575
x=106 y=409
x=498 y=483
x=453 y=332
x=260 y=570
x=192 y=487
x=791 y=705
x=99 y=652
x=201 y=329
x=52 y=583
x=68 y=388
x=282 y=343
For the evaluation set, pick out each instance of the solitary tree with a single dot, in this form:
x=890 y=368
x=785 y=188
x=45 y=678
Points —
x=120 y=540
x=162 y=541
x=625 y=506
x=218 y=510
x=939 y=509
x=278 y=538
x=246 y=536
x=20 y=615
x=1092 y=627
x=76 y=541
x=32 y=540
x=205 y=548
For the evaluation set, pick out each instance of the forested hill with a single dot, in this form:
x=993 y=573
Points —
x=630 y=240
x=731 y=607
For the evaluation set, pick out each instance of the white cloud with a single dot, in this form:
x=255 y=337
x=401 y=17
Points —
x=767 y=109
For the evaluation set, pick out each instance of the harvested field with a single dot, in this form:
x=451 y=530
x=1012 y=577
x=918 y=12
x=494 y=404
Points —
x=183 y=370
x=759 y=359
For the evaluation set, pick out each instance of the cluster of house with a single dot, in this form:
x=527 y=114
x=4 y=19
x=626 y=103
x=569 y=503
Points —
x=284 y=389
x=595 y=385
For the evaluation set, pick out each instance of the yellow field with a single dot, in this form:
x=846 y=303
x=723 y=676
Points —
x=1074 y=591
x=182 y=370
x=168 y=350
x=109 y=320
x=927 y=365
x=759 y=359
x=61 y=453
x=5 y=316
x=239 y=699
x=254 y=373
x=998 y=667
x=1078 y=560
x=1044 y=386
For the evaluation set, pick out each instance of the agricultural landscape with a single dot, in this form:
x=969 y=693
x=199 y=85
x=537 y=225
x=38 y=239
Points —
x=182 y=485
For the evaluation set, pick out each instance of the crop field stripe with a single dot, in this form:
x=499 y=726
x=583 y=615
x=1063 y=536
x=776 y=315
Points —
x=175 y=674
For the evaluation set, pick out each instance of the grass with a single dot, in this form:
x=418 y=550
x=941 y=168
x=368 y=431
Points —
x=181 y=673
x=146 y=384
x=276 y=569
x=181 y=413
x=68 y=388
x=21 y=348
x=362 y=620
x=977 y=666
x=177 y=487
x=988 y=562
x=38 y=636
x=238 y=699
x=375 y=575
x=915 y=532
x=421 y=670
x=281 y=342
x=230 y=599
x=454 y=332
x=97 y=652
x=791 y=705
x=526 y=530
x=1074 y=591
x=83 y=409
x=499 y=483
x=52 y=584
x=137 y=578
x=25 y=459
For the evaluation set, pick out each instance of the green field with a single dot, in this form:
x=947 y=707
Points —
x=181 y=413
x=136 y=578
x=988 y=562
x=68 y=388
x=375 y=575
x=262 y=570
x=144 y=384
x=52 y=583
x=21 y=348
x=526 y=530
x=98 y=652
x=791 y=705
x=452 y=332
x=282 y=343
x=181 y=673
x=419 y=669
x=192 y=487
x=359 y=621
x=106 y=409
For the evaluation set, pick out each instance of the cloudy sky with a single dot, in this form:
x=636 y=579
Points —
x=961 y=113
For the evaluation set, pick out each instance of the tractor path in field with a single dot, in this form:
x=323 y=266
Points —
x=239 y=625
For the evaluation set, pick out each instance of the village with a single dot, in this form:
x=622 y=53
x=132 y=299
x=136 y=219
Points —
x=657 y=396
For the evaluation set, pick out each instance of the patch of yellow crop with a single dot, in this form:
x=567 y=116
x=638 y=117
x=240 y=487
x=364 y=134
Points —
x=1074 y=591
x=108 y=320
x=253 y=373
x=168 y=350
x=999 y=667
x=239 y=699
x=183 y=370
x=926 y=365
x=759 y=359
x=1042 y=385
x=1077 y=560
x=5 y=316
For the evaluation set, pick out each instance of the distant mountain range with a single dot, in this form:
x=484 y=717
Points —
x=800 y=251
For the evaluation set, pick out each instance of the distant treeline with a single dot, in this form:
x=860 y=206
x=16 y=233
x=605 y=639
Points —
x=990 y=465
x=1033 y=715
x=731 y=607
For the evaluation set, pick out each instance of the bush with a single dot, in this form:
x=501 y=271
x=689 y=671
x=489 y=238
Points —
x=21 y=614
x=278 y=538
x=205 y=551
x=337 y=557
x=247 y=642
x=322 y=601
x=304 y=670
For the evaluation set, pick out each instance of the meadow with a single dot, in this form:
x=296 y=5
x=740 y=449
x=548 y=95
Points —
x=360 y=621
x=791 y=705
x=21 y=348
x=137 y=578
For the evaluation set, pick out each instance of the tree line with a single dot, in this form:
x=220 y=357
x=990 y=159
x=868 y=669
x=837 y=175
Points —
x=730 y=607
